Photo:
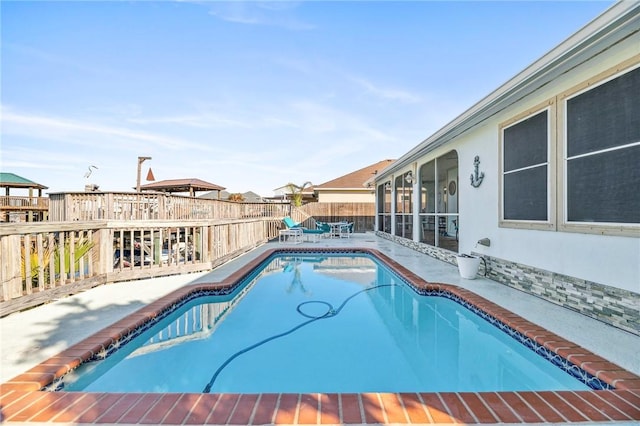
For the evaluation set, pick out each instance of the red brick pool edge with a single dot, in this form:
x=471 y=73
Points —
x=23 y=400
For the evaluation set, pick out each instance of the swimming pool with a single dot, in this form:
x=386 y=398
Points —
x=327 y=322
x=28 y=396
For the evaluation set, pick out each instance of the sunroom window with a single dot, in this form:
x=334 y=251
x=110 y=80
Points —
x=384 y=207
x=404 y=206
x=525 y=169
x=602 y=153
x=439 y=219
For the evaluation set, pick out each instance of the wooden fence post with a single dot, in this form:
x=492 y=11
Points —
x=10 y=275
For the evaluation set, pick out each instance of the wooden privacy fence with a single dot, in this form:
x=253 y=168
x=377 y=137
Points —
x=43 y=261
x=361 y=214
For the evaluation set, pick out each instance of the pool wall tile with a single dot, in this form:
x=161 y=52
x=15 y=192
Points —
x=598 y=399
x=223 y=409
x=309 y=408
x=160 y=410
x=480 y=410
x=72 y=411
x=287 y=409
x=502 y=411
x=114 y=412
x=415 y=408
x=55 y=406
x=457 y=409
x=199 y=413
x=26 y=407
x=520 y=406
x=436 y=408
x=541 y=407
x=140 y=408
x=183 y=406
x=101 y=402
x=372 y=408
x=265 y=409
x=631 y=397
x=393 y=408
x=330 y=409
x=243 y=411
x=351 y=408
x=632 y=411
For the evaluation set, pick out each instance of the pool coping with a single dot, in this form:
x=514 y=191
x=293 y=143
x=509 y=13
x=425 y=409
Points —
x=23 y=400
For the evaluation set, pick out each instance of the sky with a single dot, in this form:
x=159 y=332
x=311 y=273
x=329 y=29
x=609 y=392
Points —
x=250 y=95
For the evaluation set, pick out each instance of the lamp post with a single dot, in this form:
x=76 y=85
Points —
x=140 y=161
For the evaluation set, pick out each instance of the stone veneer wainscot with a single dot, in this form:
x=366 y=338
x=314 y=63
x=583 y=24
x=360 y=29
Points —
x=608 y=304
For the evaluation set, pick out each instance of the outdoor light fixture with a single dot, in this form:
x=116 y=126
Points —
x=409 y=177
x=387 y=184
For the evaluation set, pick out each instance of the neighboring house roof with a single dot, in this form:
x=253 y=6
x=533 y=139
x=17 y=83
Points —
x=252 y=197
x=215 y=195
x=249 y=196
x=11 y=180
x=354 y=180
x=181 y=185
x=284 y=190
x=614 y=25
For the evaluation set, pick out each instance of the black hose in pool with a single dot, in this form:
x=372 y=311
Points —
x=331 y=312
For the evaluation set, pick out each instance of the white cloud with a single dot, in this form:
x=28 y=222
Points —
x=275 y=14
x=84 y=132
x=387 y=93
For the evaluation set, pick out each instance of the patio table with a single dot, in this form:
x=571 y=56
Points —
x=336 y=228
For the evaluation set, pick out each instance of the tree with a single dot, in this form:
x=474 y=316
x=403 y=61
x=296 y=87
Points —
x=236 y=197
x=296 y=192
x=82 y=247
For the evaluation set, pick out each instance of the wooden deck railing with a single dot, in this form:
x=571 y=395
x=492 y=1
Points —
x=81 y=206
x=23 y=208
x=24 y=203
x=42 y=261
x=95 y=238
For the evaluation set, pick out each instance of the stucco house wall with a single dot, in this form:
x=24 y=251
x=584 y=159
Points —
x=582 y=269
x=345 y=196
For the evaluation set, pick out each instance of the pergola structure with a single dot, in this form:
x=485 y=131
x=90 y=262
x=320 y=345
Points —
x=182 y=185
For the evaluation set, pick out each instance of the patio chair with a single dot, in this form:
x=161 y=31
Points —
x=289 y=223
x=325 y=228
x=312 y=234
x=346 y=230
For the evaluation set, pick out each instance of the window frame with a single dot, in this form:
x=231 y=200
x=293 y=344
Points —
x=551 y=223
x=602 y=228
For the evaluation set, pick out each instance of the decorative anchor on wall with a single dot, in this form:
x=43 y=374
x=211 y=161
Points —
x=476 y=178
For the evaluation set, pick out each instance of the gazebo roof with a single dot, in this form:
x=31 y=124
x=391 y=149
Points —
x=181 y=185
x=11 y=180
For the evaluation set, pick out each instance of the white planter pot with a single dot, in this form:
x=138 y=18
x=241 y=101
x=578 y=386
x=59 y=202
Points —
x=468 y=266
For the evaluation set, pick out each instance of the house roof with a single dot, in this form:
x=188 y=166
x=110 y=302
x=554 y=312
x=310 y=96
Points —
x=249 y=196
x=612 y=26
x=356 y=179
x=252 y=197
x=181 y=185
x=11 y=180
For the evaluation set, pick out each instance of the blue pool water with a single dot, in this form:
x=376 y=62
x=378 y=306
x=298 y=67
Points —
x=322 y=324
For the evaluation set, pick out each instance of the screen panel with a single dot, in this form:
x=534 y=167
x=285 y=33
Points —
x=605 y=187
x=605 y=116
x=525 y=143
x=525 y=195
